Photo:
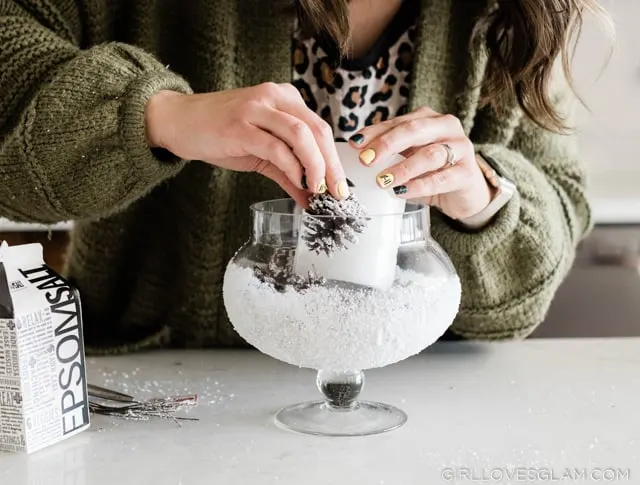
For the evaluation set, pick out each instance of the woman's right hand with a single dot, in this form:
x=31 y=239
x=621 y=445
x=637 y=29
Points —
x=266 y=129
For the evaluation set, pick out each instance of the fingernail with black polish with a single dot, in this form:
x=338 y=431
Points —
x=400 y=189
x=303 y=182
x=357 y=139
x=350 y=183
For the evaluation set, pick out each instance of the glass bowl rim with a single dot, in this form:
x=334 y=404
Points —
x=255 y=207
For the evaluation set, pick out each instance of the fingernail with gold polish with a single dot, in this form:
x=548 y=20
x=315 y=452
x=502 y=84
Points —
x=322 y=187
x=367 y=156
x=384 y=180
x=343 y=189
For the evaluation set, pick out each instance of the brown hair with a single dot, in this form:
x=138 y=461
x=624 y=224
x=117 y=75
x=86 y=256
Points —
x=524 y=39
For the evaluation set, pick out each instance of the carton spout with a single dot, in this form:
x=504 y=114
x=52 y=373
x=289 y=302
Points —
x=24 y=254
x=3 y=247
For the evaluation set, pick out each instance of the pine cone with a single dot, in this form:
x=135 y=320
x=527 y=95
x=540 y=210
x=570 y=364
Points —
x=343 y=221
x=279 y=274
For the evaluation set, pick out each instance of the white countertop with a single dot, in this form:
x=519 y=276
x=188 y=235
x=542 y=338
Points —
x=10 y=226
x=615 y=196
x=543 y=405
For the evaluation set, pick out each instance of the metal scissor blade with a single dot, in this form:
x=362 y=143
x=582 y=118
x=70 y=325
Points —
x=108 y=394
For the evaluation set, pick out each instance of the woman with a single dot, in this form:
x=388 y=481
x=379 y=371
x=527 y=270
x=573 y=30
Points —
x=98 y=120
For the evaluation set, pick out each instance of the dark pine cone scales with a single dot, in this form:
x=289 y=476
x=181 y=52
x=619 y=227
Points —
x=281 y=278
x=279 y=274
x=343 y=221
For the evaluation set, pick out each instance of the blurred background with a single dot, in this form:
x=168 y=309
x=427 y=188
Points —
x=601 y=296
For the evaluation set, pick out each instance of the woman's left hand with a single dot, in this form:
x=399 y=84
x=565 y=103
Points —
x=440 y=167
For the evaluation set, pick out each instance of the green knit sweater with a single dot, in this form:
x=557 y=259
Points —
x=153 y=235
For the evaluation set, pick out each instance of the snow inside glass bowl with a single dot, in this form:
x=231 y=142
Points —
x=343 y=313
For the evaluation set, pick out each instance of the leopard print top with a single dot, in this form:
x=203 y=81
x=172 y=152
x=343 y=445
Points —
x=353 y=93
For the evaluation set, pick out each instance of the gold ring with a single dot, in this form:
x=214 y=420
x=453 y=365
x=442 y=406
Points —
x=451 y=156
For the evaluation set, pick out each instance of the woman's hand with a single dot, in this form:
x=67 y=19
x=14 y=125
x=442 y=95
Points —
x=440 y=168
x=266 y=129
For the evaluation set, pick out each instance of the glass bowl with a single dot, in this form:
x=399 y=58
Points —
x=384 y=298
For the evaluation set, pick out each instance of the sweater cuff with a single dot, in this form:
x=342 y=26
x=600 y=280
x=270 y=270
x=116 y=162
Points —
x=460 y=240
x=150 y=164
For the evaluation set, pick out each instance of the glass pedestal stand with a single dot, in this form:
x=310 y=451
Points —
x=340 y=413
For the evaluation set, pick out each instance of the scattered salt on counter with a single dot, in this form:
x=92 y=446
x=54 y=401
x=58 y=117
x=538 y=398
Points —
x=339 y=328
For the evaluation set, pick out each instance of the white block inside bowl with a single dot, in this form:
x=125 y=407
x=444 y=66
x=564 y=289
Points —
x=372 y=260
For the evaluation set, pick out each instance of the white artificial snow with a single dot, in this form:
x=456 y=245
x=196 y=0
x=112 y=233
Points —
x=338 y=328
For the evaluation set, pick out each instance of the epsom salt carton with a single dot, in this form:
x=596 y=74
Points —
x=43 y=386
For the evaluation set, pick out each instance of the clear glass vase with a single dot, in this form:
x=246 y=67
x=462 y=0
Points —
x=383 y=298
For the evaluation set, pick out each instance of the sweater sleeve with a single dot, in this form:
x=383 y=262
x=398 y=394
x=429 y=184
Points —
x=512 y=268
x=72 y=135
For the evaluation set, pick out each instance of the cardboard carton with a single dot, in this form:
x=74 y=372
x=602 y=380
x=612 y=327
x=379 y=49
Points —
x=43 y=384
